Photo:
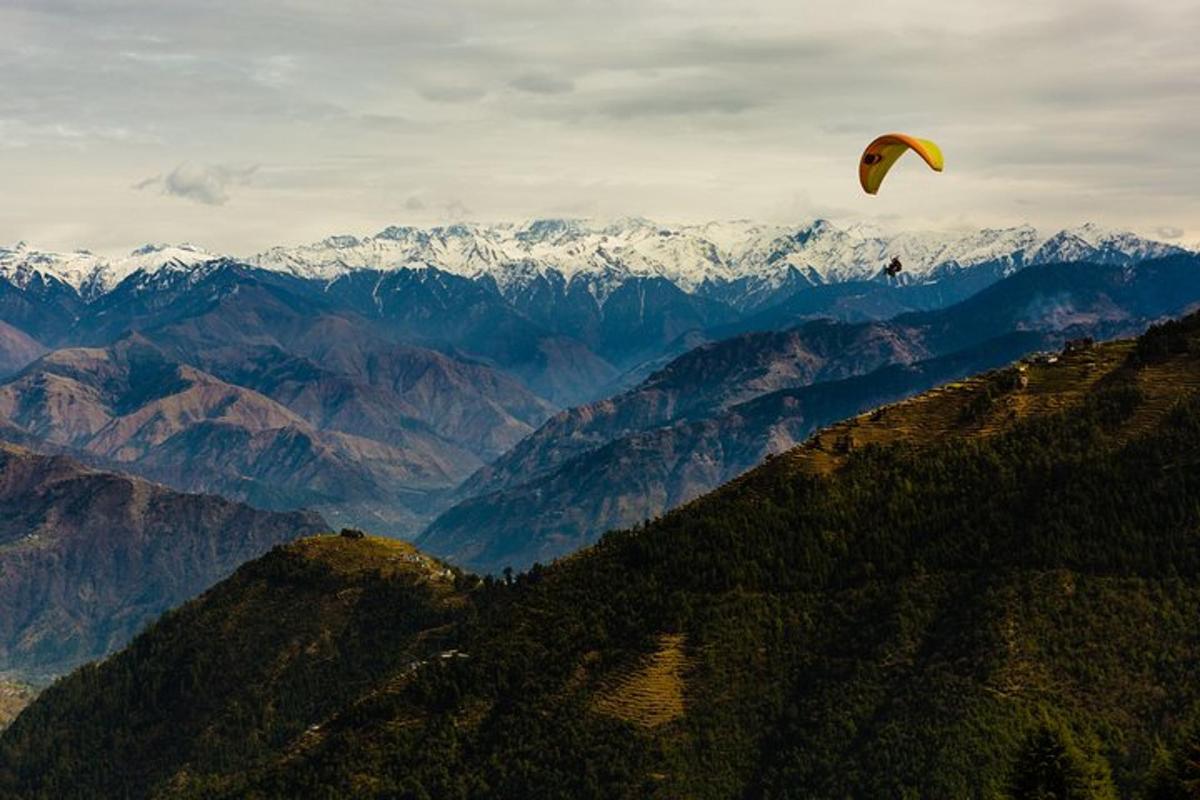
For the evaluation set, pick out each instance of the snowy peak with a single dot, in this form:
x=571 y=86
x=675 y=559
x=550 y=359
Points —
x=149 y=260
x=23 y=266
x=93 y=275
x=829 y=254
x=549 y=231
x=1090 y=242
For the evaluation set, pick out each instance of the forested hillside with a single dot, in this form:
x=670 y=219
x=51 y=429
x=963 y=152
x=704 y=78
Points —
x=989 y=590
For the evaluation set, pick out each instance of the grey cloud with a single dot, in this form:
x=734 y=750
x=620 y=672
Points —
x=207 y=184
x=1169 y=232
x=541 y=83
x=680 y=100
x=15 y=132
x=390 y=122
x=722 y=48
x=456 y=211
x=274 y=71
x=160 y=59
x=449 y=93
x=414 y=204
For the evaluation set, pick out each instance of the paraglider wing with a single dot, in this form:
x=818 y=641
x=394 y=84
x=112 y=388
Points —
x=880 y=154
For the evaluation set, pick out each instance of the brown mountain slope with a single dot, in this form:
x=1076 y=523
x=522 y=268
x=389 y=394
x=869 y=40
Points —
x=248 y=335
x=132 y=406
x=385 y=391
x=17 y=348
x=702 y=383
x=87 y=558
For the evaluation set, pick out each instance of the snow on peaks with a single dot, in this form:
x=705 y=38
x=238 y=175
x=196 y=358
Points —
x=23 y=265
x=543 y=231
x=1090 y=242
x=91 y=274
x=690 y=256
x=149 y=259
x=602 y=256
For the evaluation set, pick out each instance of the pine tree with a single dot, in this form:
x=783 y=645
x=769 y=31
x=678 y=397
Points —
x=1051 y=766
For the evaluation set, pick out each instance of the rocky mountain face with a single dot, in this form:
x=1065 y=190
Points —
x=270 y=337
x=638 y=476
x=17 y=349
x=908 y=604
x=227 y=380
x=703 y=382
x=133 y=407
x=430 y=306
x=88 y=558
x=723 y=407
x=392 y=393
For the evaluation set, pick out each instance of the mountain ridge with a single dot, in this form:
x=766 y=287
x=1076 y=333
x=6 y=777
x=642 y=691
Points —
x=88 y=557
x=131 y=405
x=689 y=256
x=569 y=308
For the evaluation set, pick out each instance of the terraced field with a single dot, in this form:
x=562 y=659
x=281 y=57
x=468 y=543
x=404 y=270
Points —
x=651 y=694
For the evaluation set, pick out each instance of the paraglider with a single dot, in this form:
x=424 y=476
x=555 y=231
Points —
x=882 y=153
x=893 y=269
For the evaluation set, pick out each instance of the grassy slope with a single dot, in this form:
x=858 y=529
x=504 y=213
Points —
x=887 y=611
x=14 y=696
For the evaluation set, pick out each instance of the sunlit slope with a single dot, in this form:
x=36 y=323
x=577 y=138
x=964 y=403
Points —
x=13 y=697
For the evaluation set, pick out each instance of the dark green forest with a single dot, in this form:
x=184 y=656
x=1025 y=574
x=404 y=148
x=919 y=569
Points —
x=1004 y=604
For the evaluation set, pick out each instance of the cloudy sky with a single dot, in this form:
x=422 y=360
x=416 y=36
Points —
x=237 y=124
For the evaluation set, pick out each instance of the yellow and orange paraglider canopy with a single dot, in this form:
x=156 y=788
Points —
x=880 y=154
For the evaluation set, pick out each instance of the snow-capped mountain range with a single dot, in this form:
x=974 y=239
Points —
x=92 y=275
x=695 y=258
